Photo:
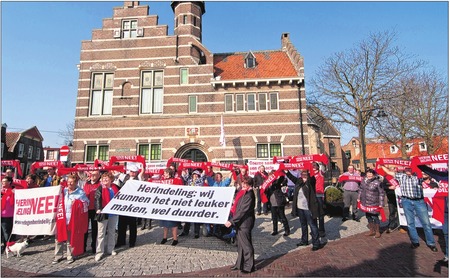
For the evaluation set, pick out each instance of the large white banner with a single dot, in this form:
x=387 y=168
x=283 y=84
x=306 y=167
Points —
x=253 y=166
x=429 y=197
x=35 y=210
x=198 y=204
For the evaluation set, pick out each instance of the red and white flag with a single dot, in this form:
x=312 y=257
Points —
x=222 y=133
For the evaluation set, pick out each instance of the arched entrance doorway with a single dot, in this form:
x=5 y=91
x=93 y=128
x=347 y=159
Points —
x=192 y=151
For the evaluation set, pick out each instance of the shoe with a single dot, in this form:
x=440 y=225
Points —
x=143 y=227
x=55 y=261
x=403 y=231
x=98 y=257
x=356 y=219
x=113 y=253
x=444 y=261
x=303 y=244
x=234 y=268
x=69 y=261
x=245 y=271
x=321 y=245
x=274 y=233
x=286 y=234
x=118 y=245
x=388 y=231
x=132 y=245
x=196 y=236
x=175 y=242
x=344 y=219
x=183 y=234
x=259 y=213
x=433 y=248
x=164 y=240
x=414 y=245
x=265 y=213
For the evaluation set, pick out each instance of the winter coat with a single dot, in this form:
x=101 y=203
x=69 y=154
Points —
x=371 y=192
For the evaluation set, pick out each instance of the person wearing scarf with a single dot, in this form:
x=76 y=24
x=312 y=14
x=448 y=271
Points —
x=106 y=222
x=371 y=195
x=260 y=177
x=71 y=194
x=7 y=210
x=243 y=220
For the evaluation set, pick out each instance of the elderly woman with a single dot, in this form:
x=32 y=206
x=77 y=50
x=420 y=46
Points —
x=106 y=222
x=243 y=220
x=371 y=199
x=71 y=193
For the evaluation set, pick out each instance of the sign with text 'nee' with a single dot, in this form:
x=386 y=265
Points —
x=198 y=204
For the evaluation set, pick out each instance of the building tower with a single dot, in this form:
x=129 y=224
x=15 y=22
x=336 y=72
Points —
x=188 y=18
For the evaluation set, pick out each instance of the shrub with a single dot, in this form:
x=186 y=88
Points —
x=333 y=195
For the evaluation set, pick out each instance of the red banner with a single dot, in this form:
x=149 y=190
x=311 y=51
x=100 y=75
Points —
x=13 y=163
x=41 y=164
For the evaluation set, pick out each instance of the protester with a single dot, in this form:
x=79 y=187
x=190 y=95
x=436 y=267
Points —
x=92 y=182
x=195 y=179
x=389 y=190
x=50 y=178
x=70 y=194
x=31 y=180
x=371 y=195
x=318 y=172
x=414 y=205
x=277 y=204
x=7 y=192
x=260 y=177
x=306 y=207
x=351 y=189
x=243 y=220
x=106 y=222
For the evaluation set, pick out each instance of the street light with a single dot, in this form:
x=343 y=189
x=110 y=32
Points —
x=362 y=134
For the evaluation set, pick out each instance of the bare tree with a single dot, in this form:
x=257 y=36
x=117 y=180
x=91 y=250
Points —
x=352 y=84
x=67 y=134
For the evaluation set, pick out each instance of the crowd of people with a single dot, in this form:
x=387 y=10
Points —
x=253 y=197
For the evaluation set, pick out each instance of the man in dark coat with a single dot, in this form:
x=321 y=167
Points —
x=306 y=207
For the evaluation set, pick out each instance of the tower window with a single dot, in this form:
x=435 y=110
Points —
x=250 y=60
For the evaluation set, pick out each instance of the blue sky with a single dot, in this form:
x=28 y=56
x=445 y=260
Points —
x=41 y=44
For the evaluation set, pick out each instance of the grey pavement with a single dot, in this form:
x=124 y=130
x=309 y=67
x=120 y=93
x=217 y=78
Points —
x=149 y=257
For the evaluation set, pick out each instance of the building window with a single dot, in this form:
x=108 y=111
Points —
x=102 y=93
x=184 y=78
x=273 y=101
x=152 y=92
x=194 y=19
x=393 y=149
x=229 y=103
x=250 y=60
x=150 y=151
x=129 y=28
x=239 y=102
x=97 y=152
x=30 y=152
x=268 y=150
x=51 y=155
x=262 y=100
x=192 y=104
x=251 y=102
x=348 y=154
x=332 y=149
x=185 y=19
x=409 y=147
x=38 y=153
x=422 y=146
x=21 y=150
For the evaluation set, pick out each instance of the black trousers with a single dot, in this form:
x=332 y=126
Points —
x=187 y=228
x=7 y=225
x=278 y=213
x=246 y=252
x=94 y=231
x=126 y=222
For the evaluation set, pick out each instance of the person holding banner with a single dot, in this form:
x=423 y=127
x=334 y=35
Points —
x=70 y=194
x=414 y=205
x=7 y=192
x=389 y=190
x=306 y=207
x=106 y=222
x=277 y=204
x=51 y=178
x=318 y=172
x=31 y=180
x=260 y=177
x=243 y=220
x=351 y=189
x=370 y=200
x=196 y=179
x=89 y=187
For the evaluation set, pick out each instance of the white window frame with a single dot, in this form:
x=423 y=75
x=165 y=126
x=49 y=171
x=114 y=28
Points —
x=130 y=31
x=262 y=102
x=269 y=151
x=249 y=102
x=184 y=76
x=192 y=107
x=271 y=96
x=102 y=94
x=150 y=145
x=30 y=152
x=97 y=151
x=228 y=101
x=422 y=146
x=152 y=93
x=409 y=147
x=51 y=155
x=38 y=153
x=240 y=107
x=393 y=149
x=21 y=150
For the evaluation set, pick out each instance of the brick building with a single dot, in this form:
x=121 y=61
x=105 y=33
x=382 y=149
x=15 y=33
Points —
x=142 y=91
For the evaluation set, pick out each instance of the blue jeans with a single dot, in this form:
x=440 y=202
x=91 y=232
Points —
x=306 y=220
x=418 y=208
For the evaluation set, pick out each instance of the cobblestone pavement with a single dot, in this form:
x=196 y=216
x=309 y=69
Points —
x=347 y=253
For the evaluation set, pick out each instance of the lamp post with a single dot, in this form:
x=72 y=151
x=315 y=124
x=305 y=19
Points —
x=362 y=135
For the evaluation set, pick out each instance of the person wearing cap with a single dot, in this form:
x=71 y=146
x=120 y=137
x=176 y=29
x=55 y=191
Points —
x=128 y=222
x=414 y=205
x=372 y=195
x=195 y=179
